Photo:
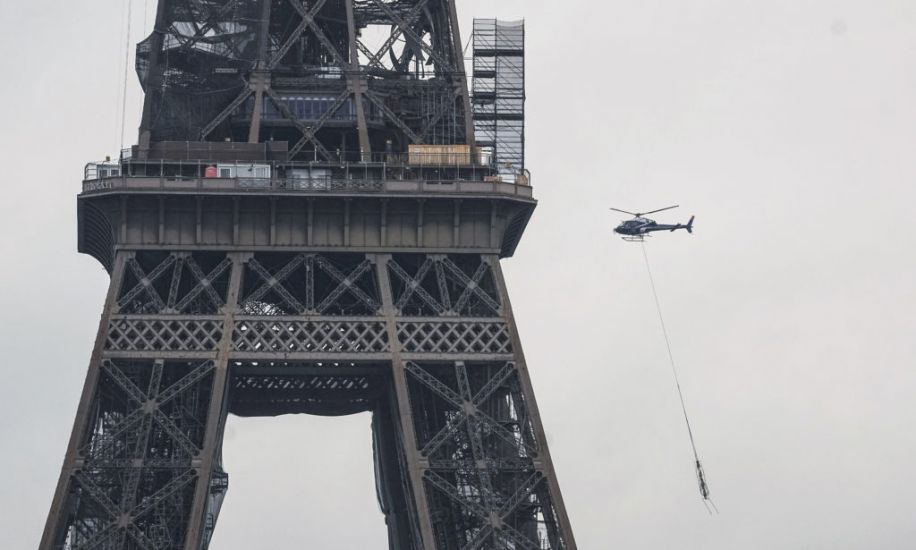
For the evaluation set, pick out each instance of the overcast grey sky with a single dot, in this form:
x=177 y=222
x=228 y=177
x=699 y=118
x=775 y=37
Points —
x=787 y=127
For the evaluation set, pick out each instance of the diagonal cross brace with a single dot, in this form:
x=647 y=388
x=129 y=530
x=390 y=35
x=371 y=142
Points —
x=145 y=282
x=407 y=30
x=204 y=283
x=212 y=23
x=414 y=285
x=345 y=284
x=274 y=283
x=471 y=285
x=473 y=430
x=500 y=431
x=493 y=384
x=523 y=492
x=409 y=19
x=504 y=530
x=451 y=426
x=224 y=114
x=125 y=383
x=434 y=384
x=309 y=19
x=308 y=134
x=297 y=32
x=175 y=284
x=393 y=117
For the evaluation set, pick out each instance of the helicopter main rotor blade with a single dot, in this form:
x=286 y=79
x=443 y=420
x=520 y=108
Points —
x=624 y=211
x=660 y=210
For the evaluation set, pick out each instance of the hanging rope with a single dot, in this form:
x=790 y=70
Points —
x=124 y=83
x=701 y=475
x=468 y=45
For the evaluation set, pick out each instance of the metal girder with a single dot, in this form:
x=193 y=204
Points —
x=409 y=19
x=413 y=285
x=446 y=65
x=493 y=384
x=451 y=426
x=372 y=62
x=228 y=110
x=346 y=284
x=444 y=270
x=471 y=284
x=308 y=134
x=144 y=281
x=120 y=524
x=393 y=117
x=175 y=301
x=211 y=24
x=307 y=18
x=275 y=282
x=203 y=283
x=435 y=384
x=356 y=82
x=444 y=108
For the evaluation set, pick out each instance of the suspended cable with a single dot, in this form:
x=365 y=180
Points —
x=468 y=45
x=701 y=475
x=126 y=65
x=117 y=77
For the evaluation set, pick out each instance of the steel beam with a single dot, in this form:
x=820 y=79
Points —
x=216 y=418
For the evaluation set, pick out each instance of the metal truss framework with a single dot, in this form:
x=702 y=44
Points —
x=233 y=69
x=425 y=341
x=380 y=291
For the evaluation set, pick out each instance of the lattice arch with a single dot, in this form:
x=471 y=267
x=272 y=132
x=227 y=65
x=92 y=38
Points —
x=443 y=285
x=309 y=284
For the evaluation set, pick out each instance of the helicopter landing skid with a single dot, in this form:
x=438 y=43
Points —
x=635 y=238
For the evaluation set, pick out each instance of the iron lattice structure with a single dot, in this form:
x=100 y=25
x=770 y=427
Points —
x=372 y=283
x=306 y=72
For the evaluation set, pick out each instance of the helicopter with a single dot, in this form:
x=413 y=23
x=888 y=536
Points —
x=639 y=227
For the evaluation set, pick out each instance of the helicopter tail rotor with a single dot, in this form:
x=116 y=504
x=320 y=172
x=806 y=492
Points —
x=690 y=225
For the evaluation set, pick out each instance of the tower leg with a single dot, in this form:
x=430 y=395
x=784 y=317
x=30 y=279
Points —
x=563 y=528
x=60 y=509
x=211 y=480
x=142 y=469
x=411 y=458
x=487 y=477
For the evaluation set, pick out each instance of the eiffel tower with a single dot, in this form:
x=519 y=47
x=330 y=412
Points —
x=312 y=222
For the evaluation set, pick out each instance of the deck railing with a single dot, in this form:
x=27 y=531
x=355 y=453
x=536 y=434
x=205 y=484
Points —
x=304 y=186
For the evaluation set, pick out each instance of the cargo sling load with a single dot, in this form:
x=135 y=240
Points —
x=306 y=225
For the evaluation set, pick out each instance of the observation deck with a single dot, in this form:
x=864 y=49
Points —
x=227 y=196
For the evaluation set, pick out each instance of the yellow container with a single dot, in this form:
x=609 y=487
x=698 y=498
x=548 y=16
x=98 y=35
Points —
x=439 y=155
